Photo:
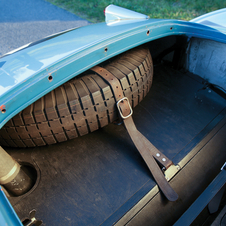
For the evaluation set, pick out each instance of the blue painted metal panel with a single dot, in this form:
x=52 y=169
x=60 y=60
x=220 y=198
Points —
x=216 y=18
x=26 y=72
x=7 y=213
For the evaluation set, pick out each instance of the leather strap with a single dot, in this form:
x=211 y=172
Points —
x=147 y=150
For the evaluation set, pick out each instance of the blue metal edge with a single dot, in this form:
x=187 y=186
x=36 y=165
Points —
x=90 y=46
x=8 y=216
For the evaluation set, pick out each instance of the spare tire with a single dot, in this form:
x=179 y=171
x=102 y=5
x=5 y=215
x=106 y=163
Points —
x=81 y=105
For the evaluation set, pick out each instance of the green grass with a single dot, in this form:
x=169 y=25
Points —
x=166 y=9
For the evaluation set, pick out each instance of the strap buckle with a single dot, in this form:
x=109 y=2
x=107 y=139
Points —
x=119 y=109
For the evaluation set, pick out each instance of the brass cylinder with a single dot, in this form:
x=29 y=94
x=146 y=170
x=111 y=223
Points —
x=12 y=176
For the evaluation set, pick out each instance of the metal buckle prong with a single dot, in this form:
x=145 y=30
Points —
x=120 y=112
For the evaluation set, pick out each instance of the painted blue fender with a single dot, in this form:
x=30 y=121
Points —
x=215 y=18
x=7 y=213
x=30 y=73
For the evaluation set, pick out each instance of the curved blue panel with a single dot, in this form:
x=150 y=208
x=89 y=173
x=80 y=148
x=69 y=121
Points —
x=25 y=75
x=7 y=213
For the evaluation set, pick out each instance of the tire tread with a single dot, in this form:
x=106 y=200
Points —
x=81 y=105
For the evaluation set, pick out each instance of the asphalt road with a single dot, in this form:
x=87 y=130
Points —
x=25 y=21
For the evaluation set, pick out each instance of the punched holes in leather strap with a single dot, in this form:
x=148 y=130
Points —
x=145 y=147
x=123 y=104
x=114 y=82
x=125 y=111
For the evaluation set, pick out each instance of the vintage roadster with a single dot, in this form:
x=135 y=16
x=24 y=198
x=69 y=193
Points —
x=75 y=153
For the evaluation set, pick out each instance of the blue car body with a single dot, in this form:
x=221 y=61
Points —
x=29 y=73
x=25 y=75
x=7 y=213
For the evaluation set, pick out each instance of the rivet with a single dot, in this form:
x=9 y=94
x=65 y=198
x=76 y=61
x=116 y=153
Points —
x=163 y=159
x=178 y=167
x=157 y=154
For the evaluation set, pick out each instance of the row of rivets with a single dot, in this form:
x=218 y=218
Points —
x=163 y=159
